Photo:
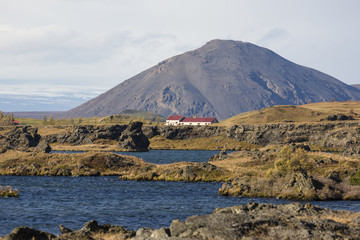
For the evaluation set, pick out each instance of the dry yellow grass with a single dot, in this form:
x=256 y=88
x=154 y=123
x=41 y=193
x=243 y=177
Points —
x=209 y=143
x=49 y=130
x=345 y=217
x=313 y=112
x=103 y=147
x=243 y=163
x=36 y=163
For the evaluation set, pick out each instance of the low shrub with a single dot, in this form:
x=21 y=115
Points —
x=293 y=160
x=355 y=178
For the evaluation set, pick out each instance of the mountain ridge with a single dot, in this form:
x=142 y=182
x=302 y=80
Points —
x=221 y=79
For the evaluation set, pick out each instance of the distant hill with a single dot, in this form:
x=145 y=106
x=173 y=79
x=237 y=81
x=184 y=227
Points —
x=37 y=115
x=142 y=114
x=221 y=79
x=313 y=112
x=356 y=86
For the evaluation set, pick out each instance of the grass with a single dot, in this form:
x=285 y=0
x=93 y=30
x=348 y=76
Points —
x=126 y=117
x=312 y=112
x=57 y=164
x=355 y=178
x=209 y=143
x=289 y=173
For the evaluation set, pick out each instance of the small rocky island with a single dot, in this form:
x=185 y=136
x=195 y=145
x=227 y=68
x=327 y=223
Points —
x=8 y=191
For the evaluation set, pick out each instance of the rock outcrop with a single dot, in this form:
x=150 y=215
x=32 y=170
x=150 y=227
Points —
x=91 y=230
x=26 y=233
x=43 y=146
x=262 y=221
x=339 y=117
x=343 y=136
x=219 y=156
x=20 y=138
x=129 y=137
x=133 y=138
x=295 y=186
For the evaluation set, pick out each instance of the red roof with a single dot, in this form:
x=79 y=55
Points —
x=174 y=117
x=200 y=119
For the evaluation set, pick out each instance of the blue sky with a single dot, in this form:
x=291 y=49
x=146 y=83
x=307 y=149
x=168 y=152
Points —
x=57 y=54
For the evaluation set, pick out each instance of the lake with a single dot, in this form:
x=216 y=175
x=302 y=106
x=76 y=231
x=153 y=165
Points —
x=46 y=202
x=167 y=156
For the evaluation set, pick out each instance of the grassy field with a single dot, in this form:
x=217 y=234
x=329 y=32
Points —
x=312 y=112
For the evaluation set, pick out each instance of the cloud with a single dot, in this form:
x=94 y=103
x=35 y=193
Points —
x=101 y=43
x=33 y=90
x=57 y=52
x=26 y=97
x=274 y=34
x=55 y=44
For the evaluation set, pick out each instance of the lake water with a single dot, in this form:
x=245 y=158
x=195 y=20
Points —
x=167 y=156
x=46 y=202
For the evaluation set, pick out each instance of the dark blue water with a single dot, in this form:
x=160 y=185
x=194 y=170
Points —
x=167 y=156
x=46 y=202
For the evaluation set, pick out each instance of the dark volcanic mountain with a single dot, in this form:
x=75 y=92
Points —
x=221 y=79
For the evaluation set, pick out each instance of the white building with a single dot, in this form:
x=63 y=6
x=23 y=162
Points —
x=174 y=120
x=180 y=120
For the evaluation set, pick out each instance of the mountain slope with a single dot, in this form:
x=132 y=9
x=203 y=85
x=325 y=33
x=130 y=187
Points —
x=221 y=79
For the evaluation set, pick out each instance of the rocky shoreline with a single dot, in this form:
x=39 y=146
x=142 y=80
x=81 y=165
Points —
x=250 y=221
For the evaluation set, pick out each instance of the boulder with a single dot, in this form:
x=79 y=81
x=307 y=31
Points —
x=219 y=156
x=3 y=149
x=64 y=230
x=43 y=146
x=92 y=228
x=26 y=233
x=339 y=117
x=22 y=138
x=133 y=139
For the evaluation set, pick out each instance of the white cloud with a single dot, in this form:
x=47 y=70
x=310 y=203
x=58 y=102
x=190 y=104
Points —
x=103 y=42
x=48 y=97
x=274 y=34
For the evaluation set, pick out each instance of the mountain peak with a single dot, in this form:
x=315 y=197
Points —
x=220 y=79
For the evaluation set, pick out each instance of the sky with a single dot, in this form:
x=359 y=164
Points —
x=57 y=54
